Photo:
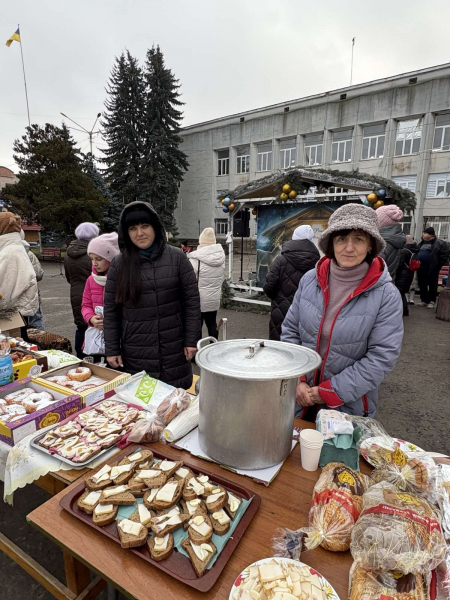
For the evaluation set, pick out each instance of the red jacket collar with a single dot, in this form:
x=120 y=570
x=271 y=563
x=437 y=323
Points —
x=372 y=276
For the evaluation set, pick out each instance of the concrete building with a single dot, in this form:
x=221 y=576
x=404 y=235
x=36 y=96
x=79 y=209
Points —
x=397 y=127
x=7 y=177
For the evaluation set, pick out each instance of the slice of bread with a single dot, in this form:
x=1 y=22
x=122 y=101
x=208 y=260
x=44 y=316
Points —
x=146 y=457
x=99 y=485
x=161 y=504
x=199 y=565
x=106 y=518
x=233 y=502
x=173 y=523
x=129 y=540
x=153 y=482
x=121 y=498
x=137 y=518
x=149 y=498
x=200 y=537
x=168 y=467
x=88 y=507
x=193 y=511
x=160 y=554
x=220 y=522
x=190 y=493
x=216 y=500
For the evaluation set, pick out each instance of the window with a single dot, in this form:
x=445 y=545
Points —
x=264 y=157
x=373 y=141
x=223 y=162
x=441 y=140
x=338 y=190
x=341 y=148
x=409 y=134
x=221 y=226
x=441 y=226
x=407 y=182
x=243 y=160
x=405 y=224
x=288 y=153
x=438 y=185
x=313 y=149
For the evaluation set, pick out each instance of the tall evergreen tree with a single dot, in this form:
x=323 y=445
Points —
x=163 y=163
x=111 y=211
x=52 y=189
x=122 y=125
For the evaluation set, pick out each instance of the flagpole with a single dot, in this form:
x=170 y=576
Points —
x=24 y=78
x=351 y=68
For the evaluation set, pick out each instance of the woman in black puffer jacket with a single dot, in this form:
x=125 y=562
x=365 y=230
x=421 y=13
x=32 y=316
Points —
x=298 y=256
x=152 y=304
x=404 y=276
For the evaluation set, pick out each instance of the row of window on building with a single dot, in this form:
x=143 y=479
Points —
x=408 y=141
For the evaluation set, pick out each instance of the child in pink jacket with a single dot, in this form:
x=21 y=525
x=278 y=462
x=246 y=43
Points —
x=101 y=250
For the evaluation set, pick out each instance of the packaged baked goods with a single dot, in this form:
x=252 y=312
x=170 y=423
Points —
x=335 y=508
x=147 y=430
x=172 y=405
x=397 y=531
x=443 y=477
x=367 y=585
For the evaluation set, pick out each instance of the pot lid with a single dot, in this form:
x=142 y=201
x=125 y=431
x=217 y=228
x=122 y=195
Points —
x=257 y=359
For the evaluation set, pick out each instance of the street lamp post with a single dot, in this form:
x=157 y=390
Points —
x=83 y=130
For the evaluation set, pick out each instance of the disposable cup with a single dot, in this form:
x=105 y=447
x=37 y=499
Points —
x=310 y=448
x=311 y=437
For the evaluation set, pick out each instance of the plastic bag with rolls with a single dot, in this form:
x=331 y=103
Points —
x=367 y=585
x=147 y=430
x=397 y=531
x=172 y=405
x=335 y=508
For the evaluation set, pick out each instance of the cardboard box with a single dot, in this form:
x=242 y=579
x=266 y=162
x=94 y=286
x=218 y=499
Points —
x=113 y=379
x=65 y=404
x=22 y=369
x=8 y=325
x=38 y=360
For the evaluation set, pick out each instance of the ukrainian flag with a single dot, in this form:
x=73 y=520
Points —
x=15 y=37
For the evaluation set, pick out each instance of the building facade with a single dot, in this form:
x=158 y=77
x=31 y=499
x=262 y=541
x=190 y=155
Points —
x=397 y=127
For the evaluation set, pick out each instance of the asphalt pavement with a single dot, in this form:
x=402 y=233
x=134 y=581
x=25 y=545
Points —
x=413 y=406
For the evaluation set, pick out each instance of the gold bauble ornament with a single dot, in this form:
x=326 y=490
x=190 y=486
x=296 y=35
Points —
x=254 y=211
x=378 y=204
x=283 y=197
x=286 y=188
x=231 y=206
x=292 y=194
x=222 y=202
x=372 y=198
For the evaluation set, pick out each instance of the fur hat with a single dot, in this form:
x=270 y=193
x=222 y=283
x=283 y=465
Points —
x=303 y=232
x=353 y=216
x=388 y=215
x=9 y=223
x=207 y=237
x=106 y=246
x=87 y=231
x=430 y=231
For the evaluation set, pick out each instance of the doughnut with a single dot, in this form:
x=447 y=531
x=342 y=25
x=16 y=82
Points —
x=18 y=396
x=15 y=409
x=36 y=401
x=59 y=379
x=2 y=402
x=79 y=374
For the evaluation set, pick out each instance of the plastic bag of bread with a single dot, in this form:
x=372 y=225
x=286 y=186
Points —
x=397 y=531
x=147 y=430
x=367 y=585
x=335 y=508
x=172 y=405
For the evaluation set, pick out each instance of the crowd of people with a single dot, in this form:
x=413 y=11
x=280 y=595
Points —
x=146 y=300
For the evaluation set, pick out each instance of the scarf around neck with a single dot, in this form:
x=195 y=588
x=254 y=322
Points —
x=100 y=279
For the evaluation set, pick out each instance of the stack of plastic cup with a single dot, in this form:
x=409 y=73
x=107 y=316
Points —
x=311 y=442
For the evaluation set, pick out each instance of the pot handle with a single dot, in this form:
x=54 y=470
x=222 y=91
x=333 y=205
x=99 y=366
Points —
x=254 y=348
x=206 y=339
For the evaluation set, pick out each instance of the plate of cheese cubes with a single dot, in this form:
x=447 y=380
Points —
x=281 y=579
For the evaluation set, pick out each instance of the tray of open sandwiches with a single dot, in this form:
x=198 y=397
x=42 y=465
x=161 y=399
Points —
x=181 y=520
x=89 y=432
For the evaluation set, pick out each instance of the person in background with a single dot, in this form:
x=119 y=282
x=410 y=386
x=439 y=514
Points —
x=152 y=305
x=78 y=267
x=404 y=276
x=37 y=320
x=298 y=256
x=348 y=310
x=208 y=262
x=18 y=285
x=391 y=231
x=101 y=251
x=433 y=255
x=184 y=246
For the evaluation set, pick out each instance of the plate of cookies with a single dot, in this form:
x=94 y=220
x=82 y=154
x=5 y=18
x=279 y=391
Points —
x=184 y=521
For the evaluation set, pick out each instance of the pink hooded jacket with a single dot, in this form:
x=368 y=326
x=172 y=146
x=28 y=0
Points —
x=93 y=296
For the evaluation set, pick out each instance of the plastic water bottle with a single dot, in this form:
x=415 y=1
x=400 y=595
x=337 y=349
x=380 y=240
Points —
x=6 y=365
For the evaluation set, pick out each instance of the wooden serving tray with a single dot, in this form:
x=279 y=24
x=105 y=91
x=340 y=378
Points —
x=177 y=565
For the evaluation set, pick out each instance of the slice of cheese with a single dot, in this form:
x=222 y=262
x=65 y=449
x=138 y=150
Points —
x=182 y=473
x=209 y=486
x=214 y=497
x=152 y=494
x=167 y=515
x=174 y=520
x=92 y=498
x=144 y=514
x=120 y=489
x=268 y=573
x=166 y=465
x=202 y=529
x=130 y=527
x=99 y=475
x=147 y=474
x=202 y=553
x=196 y=486
x=120 y=470
x=167 y=492
x=135 y=456
x=161 y=543
x=192 y=505
x=103 y=509
x=203 y=478
x=221 y=517
x=103 y=477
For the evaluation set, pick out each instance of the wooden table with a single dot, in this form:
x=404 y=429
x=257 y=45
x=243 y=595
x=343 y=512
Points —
x=285 y=503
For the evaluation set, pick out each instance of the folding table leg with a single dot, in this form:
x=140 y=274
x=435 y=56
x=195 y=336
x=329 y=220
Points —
x=77 y=575
x=113 y=594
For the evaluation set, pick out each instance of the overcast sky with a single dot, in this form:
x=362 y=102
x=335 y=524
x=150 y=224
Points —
x=229 y=55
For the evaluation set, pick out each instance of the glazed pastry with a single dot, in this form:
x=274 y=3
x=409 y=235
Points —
x=18 y=396
x=79 y=373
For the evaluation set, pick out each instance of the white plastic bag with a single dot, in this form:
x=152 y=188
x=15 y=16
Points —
x=94 y=341
x=143 y=390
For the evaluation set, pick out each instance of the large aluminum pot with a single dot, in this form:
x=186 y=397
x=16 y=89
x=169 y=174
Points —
x=247 y=399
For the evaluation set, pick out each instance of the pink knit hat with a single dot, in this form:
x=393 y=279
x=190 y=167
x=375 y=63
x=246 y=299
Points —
x=388 y=215
x=106 y=246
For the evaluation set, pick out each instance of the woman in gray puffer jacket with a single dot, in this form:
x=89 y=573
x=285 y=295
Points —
x=350 y=312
